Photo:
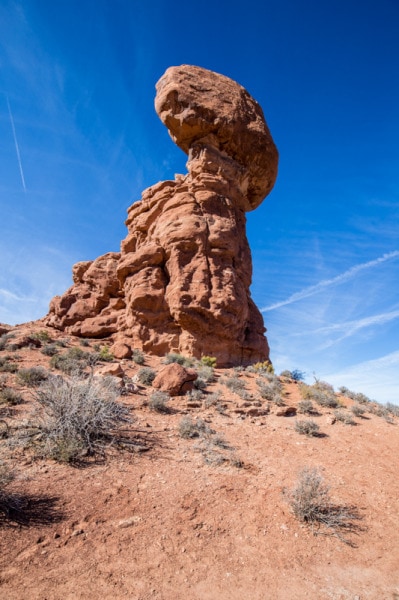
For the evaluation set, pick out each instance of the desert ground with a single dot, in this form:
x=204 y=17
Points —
x=202 y=512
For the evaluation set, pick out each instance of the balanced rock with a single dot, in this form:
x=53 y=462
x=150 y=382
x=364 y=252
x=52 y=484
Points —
x=181 y=280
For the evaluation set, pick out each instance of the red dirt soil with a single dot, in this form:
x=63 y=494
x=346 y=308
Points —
x=165 y=524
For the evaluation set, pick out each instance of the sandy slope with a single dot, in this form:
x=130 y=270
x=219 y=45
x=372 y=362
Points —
x=164 y=524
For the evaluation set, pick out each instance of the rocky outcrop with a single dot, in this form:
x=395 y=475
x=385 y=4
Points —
x=181 y=280
x=175 y=379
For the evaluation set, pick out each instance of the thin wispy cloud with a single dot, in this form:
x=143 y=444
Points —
x=378 y=378
x=21 y=171
x=352 y=327
x=326 y=283
x=11 y=296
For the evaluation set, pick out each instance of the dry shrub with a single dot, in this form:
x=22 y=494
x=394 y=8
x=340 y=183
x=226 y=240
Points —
x=33 y=376
x=77 y=417
x=309 y=428
x=146 y=375
x=188 y=428
x=310 y=502
x=8 y=501
x=158 y=401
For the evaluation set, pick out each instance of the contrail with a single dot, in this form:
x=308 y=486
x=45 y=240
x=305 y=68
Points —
x=322 y=285
x=16 y=145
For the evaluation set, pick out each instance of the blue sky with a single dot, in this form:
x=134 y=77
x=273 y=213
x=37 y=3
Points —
x=80 y=140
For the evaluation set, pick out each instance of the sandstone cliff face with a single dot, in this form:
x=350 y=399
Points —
x=181 y=280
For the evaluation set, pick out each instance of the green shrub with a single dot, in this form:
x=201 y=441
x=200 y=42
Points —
x=42 y=336
x=158 y=401
x=78 y=417
x=309 y=428
x=105 y=354
x=209 y=361
x=33 y=376
x=146 y=375
x=174 y=357
x=74 y=361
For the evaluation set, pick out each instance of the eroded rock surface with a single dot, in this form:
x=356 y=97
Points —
x=181 y=280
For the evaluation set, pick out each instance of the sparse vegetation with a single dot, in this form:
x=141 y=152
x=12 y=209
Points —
x=307 y=427
x=50 y=350
x=6 y=366
x=320 y=392
x=344 y=417
x=188 y=428
x=158 y=401
x=138 y=356
x=261 y=367
x=199 y=383
x=4 y=339
x=146 y=375
x=33 y=376
x=10 y=396
x=306 y=407
x=209 y=361
x=271 y=390
x=358 y=410
x=206 y=373
x=77 y=417
x=212 y=399
x=74 y=360
x=234 y=383
x=310 y=502
x=105 y=354
x=295 y=375
x=8 y=501
x=357 y=397
x=43 y=336
x=195 y=395
x=393 y=409
x=174 y=357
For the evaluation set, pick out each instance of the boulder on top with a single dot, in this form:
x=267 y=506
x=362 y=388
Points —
x=181 y=282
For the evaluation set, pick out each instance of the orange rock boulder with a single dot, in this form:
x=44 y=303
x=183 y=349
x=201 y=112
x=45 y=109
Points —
x=181 y=280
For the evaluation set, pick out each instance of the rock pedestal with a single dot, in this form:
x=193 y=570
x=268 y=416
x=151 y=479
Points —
x=181 y=280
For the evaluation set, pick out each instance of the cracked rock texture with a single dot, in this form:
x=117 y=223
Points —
x=181 y=280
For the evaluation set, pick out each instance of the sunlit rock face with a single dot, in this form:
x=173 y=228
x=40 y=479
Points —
x=181 y=280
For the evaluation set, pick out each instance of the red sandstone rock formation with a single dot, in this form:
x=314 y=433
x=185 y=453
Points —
x=181 y=281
